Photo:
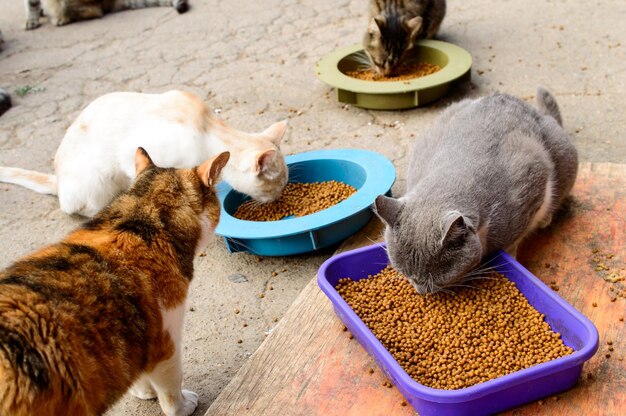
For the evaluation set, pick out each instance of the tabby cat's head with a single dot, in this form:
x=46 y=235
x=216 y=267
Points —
x=388 y=39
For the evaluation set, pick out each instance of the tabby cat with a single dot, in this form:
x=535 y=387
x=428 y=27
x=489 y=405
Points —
x=84 y=319
x=95 y=159
x=485 y=176
x=62 y=12
x=394 y=27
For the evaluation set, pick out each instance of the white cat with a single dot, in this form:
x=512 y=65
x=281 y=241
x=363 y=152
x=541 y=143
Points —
x=95 y=160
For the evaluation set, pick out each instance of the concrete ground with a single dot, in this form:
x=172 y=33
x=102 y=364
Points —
x=254 y=61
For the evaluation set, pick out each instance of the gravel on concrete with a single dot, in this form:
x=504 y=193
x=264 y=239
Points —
x=253 y=62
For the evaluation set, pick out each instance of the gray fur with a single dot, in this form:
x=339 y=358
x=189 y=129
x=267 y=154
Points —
x=395 y=26
x=484 y=165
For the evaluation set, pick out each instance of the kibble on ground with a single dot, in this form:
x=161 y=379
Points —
x=405 y=72
x=453 y=340
x=297 y=199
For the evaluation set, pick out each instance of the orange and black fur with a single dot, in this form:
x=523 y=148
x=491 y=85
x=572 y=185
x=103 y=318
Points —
x=84 y=319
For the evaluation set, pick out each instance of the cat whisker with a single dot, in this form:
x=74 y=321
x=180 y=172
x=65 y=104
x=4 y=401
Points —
x=480 y=278
x=468 y=286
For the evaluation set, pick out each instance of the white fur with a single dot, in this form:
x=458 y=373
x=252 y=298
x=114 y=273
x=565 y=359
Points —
x=165 y=381
x=95 y=160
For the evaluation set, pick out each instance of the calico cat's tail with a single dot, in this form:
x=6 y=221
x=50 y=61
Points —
x=36 y=181
x=546 y=104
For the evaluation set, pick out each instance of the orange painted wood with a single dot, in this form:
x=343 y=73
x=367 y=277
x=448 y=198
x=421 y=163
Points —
x=310 y=366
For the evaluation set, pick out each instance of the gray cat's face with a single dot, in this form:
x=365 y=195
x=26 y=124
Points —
x=387 y=41
x=432 y=251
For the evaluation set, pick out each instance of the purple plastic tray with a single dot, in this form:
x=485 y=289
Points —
x=485 y=398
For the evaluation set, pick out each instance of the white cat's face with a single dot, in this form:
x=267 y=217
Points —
x=258 y=169
x=261 y=175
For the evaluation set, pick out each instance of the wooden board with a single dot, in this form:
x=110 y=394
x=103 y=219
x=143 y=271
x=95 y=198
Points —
x=310 y=366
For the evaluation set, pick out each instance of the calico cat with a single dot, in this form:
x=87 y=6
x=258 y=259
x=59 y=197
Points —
x=84 y=319
x=394 y=27
x=488 y=173
x=95 y=159
x=63 y=12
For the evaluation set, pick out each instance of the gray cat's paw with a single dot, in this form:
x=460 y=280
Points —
x=32 y=24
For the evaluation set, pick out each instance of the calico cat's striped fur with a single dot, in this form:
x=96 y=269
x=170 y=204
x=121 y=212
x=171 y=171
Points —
x=394 y=27
x=62 y=12
x=84 y=319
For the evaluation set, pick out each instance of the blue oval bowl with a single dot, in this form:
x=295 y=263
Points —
x=370 y=173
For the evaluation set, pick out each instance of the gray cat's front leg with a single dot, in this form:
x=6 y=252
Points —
x=33 y=11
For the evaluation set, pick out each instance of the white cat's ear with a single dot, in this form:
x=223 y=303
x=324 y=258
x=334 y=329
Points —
x=275 y=132
x=209 y=171
x=142 y=160
x=263 y=160
x=455 y=227
x=387 y=209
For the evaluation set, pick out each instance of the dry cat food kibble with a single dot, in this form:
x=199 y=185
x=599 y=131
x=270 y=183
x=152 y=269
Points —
x=297 y=199
x=453 y=340
x=406 y=72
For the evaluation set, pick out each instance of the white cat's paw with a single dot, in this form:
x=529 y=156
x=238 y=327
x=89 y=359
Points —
x=143 y=392
x=190 y=402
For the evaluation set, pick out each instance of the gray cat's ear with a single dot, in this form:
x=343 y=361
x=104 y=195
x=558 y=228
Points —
x=387 y=209
x=209 y=171
x=142 y=160
x=455 y=228
x=275 y=132
x=263 y=160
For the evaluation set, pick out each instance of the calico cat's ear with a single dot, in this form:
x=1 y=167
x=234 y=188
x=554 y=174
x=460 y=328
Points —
x=142 y=160
x=209 y=171
x=387 y=209
x=263 y=160
x=413 y=26
x=275 y=132
x=455 y=228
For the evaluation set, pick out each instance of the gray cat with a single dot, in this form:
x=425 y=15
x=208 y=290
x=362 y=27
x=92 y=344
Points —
x=488 y=173
x=394 y=27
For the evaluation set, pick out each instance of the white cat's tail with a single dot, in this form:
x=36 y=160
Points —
x=36 y=181
x=546 y=104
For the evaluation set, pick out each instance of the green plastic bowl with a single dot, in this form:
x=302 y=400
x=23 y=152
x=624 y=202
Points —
x=455 y=63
